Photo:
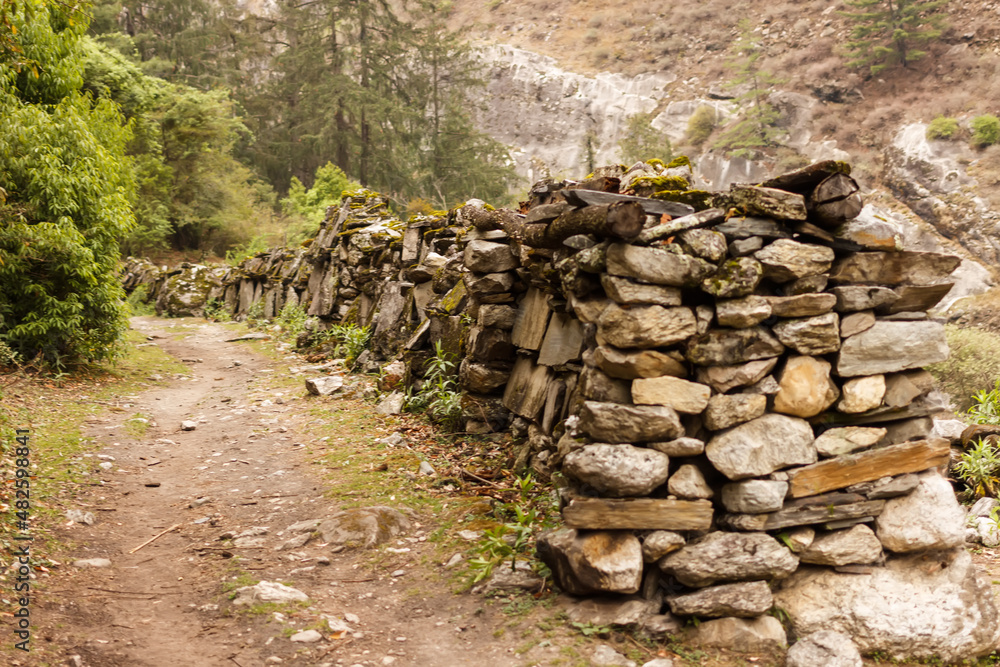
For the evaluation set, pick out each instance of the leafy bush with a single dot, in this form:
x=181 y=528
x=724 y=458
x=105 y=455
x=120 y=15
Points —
x=439 y=394
x=701 y=124
x=243 y=251
x=985 y=130
x=978 y=468
x=986 y=406
x=974 y=363
x=292 y=319
x=138 y=302
x=310 y=204
x=65 y=189
x=351 y=340
x=215 y=310
x=942 y=127
x=513 y=539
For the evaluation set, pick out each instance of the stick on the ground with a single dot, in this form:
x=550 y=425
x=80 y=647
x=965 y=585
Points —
x=156 y=537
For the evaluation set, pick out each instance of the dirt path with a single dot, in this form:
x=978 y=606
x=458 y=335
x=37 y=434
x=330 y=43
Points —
x=251 y=454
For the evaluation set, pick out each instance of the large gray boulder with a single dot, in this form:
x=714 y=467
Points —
x=891 y=346
x=618 y=470
x=928 y=518
x=761 y=446
x=937 y=604
x=730 y=557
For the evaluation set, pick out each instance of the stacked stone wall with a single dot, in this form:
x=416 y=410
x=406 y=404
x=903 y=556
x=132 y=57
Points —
x=729 y=384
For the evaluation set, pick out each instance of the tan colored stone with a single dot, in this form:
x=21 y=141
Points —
x=862 y=394
x=633 y=364
x=847 y=439
x=681 y=395
x=802 y=305
x=855 y=323
x=725 y=410
x=742 y=313
x=724 y=378
x=645 y=326
x=805 y=387
x=689 y=483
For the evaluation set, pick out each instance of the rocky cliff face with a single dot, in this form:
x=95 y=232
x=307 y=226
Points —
x=548 y=115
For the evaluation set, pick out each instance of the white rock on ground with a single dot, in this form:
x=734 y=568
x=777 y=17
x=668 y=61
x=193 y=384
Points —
x=92 y=562
x=823 y=649
x=268 y=591
x=763 y=634
x=605 y=656
x=306 y=636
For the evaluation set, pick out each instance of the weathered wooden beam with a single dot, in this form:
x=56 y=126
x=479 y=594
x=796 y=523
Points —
x=638 y=514
x=685 y=222
x=768 y=202
x=843 y=471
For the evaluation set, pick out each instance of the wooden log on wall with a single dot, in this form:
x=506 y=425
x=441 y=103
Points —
x=638 y=514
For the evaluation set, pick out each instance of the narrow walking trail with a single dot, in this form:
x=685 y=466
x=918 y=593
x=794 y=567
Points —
x=247 y=472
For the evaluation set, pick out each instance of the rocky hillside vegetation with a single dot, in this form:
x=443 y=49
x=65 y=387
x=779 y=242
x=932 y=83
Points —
x=568 y=82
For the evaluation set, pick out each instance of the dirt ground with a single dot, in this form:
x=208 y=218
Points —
x=265 y=455
x=255 y=455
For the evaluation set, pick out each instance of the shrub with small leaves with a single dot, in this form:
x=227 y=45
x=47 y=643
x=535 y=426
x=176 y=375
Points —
x=942 y=127
x=985 y=130
x=701 y=124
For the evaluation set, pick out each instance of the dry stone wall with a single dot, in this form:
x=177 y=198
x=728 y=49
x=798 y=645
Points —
x=729 y=385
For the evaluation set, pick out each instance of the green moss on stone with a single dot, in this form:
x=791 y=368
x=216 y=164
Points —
x=699 y=199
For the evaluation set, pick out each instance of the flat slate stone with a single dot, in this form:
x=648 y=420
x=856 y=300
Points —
x=811 y=335
x=611 y=422
x=852 y=298
x=627 y=291
x=724 y=347
x=656 y=265
x=742 y=313
x=645 y=326
x=745 y=599
x=888 y=347
x=801 y=305
x=786 y=260
x=724 y=378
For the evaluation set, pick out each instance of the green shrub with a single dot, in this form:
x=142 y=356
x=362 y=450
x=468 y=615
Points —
x=138 y=302
x=351 y=340
x=292 y=319
x=978 y=468
x=985 y=408
x=942 y=127
x=974 y=364
x=439 y=395
x=701 y=124
x=65 y=189
x=985 y=130
x=215 y=310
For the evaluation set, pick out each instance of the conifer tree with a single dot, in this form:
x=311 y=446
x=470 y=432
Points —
x=757 y=127
x=887 y=32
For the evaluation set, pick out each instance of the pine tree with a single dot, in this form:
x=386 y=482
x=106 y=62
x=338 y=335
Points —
x=886 y=32
x=756 y=128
